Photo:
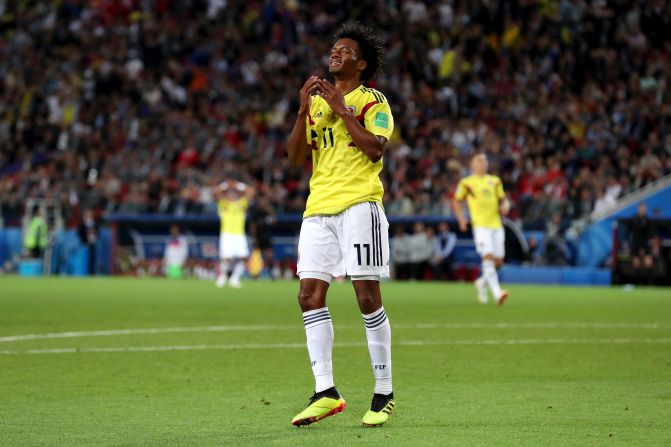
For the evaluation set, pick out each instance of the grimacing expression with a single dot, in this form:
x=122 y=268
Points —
x=345 y=57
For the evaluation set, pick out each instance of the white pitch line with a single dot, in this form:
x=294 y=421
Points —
x=256 y=328
x=141 y=331
x=414 y=343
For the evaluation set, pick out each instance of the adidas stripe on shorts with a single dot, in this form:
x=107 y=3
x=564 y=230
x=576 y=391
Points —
x=354 y=242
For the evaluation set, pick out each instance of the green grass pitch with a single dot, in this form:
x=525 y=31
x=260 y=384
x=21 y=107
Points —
x=154 y=362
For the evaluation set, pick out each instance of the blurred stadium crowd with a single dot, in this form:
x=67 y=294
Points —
x=144 y=105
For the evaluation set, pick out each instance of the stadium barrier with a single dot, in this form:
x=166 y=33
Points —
x=595 y=243
x=68 y=256
x=146 y=234
x=587 y=276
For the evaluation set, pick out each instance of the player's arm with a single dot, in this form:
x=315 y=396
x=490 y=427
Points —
x=297 y=145
x=457 y=201
x=370 y=144
x=504 y=202
x=220 y=190
x=247 y=191
x=504 y=206
x=459 y=212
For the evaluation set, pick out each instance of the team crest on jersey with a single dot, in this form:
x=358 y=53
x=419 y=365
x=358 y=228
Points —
x=351 y=109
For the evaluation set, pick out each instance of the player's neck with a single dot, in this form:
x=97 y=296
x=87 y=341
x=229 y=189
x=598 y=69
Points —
x=344 y=86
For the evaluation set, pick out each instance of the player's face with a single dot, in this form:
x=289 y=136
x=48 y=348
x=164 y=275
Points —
x=479 y=164
x=345 y=57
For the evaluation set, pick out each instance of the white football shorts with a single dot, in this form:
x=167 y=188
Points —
x=490 y=241
x=233 y=246
x=354 y=242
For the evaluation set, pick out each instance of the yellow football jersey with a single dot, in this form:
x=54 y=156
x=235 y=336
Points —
x=232 y=214
x=342 y=175
x=483 y=195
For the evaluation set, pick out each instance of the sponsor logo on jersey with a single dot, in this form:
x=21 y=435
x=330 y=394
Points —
x=319 y=115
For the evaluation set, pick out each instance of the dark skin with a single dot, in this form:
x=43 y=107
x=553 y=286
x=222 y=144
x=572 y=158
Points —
x=345 y=65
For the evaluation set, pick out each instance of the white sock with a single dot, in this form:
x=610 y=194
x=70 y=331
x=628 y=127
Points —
x=492 y=278
x=223 y=268
x=319 y=333
x=238 y=270
x=378 y=332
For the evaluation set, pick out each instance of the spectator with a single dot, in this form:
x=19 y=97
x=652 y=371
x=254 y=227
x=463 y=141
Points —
x=136 y=115
x=603 y=203
x=176 y=253
x=445 y=242
x=400 y=250
x=658 y=263
x=640 y=232
x=420 y=245
x=10 y=209
x=88 y=236
x=35 y=237
x=263 y=219
x=553 y=250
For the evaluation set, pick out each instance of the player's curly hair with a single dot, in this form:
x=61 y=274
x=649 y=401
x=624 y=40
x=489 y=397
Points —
x=372 y=46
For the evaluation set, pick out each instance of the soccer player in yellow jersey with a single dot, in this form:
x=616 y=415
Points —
x=234 y=200
x=345 y=127
x=486 y=202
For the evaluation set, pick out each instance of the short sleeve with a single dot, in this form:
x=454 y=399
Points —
x=379 y=121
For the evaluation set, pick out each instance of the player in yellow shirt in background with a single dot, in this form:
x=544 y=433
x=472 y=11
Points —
x=345 y=127
x=234 y=200
x=486 y=202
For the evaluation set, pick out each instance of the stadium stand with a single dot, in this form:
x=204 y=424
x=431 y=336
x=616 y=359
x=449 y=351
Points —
x=142 y=106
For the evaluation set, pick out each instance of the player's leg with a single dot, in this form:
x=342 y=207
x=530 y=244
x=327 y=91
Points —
x=482 y=248
x=365 y=244
x=239 y=267
x=489 y=244
x=499 y=254
x=224 y=261
x=240 y=249
x=318 y=329
x=490 y=276
x=318 y=262
x=378 y=335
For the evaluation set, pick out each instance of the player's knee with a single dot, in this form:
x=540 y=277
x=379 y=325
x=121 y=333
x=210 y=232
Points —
x=309 y=298
x=368 y=298
x=498 y=262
